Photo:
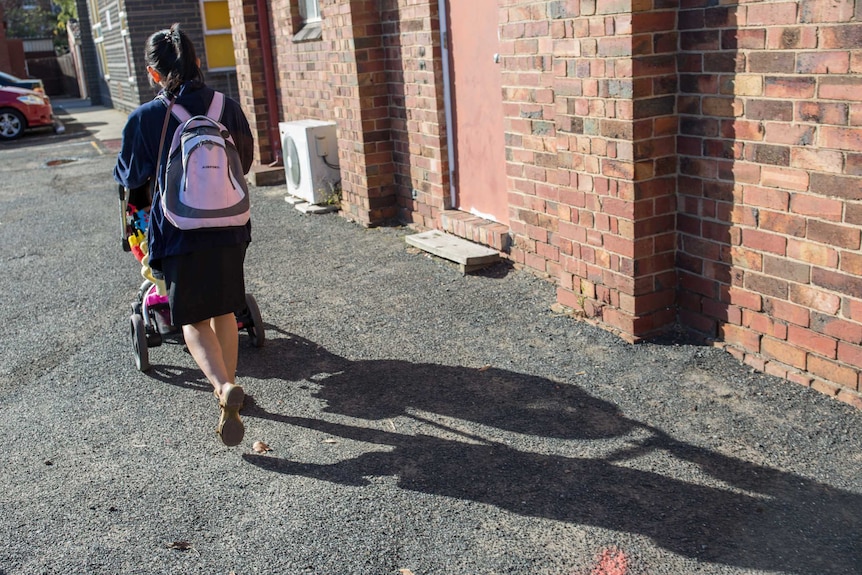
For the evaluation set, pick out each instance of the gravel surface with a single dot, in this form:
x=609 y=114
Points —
x=420 y=421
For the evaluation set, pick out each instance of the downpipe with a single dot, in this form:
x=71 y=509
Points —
x=269 y=81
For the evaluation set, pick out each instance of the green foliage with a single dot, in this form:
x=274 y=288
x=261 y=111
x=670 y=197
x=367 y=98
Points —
x=29 y=23
x=333 y=198
x=40 y=21
x=68 y=10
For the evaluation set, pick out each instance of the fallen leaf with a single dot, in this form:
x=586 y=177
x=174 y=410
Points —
x=179 y=545
x=260 y=447
x=484 y=368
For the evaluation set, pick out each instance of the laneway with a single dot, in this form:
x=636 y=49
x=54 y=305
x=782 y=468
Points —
x=419 y=420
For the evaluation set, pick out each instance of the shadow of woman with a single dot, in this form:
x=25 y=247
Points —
x=747 y=516
x=384 y=389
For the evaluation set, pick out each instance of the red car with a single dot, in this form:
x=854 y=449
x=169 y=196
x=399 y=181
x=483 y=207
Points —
x=21 y=109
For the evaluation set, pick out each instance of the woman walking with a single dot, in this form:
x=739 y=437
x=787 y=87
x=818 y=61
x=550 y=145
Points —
x=202 y=268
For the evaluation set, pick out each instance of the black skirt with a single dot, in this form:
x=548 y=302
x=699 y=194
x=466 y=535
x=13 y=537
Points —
x=205 y=284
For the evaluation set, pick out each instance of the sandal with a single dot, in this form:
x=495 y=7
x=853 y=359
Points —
x=230 y=427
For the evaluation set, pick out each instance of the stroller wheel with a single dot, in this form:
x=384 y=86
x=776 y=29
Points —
x=255 y=329
x=139 y=342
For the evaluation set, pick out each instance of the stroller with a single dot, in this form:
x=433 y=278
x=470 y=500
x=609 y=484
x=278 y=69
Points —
x=150 y=322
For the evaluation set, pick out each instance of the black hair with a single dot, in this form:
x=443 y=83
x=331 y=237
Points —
x=173 y=56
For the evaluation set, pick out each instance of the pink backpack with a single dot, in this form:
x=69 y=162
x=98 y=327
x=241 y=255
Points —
x=204 y=182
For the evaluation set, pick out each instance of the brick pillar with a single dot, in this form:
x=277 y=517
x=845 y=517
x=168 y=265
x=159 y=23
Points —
x=611 y=192
x=361 y=98
x=651 y=306
x=250 y=76
x=411 y=39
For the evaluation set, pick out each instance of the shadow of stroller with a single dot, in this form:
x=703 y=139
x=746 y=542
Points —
x=757 y=517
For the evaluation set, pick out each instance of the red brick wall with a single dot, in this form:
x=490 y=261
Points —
x=250 y=75
x=411 y=41
x=589 y=91
x=770 y=186
x=343 y=77
x=304 y=68
x=377 y=72
x=372 y=197
x=698 y=164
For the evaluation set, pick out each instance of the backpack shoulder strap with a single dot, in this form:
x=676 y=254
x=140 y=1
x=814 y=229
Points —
x=168 y=112
x=214 y=112
x=216 y=108
x=180 y=113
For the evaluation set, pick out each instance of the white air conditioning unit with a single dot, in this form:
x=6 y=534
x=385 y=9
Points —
x=310 y=152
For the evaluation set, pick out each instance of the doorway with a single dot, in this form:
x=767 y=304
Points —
x=479 y=178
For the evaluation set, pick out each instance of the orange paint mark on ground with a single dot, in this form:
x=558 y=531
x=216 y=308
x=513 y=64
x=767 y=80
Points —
x=612 y=562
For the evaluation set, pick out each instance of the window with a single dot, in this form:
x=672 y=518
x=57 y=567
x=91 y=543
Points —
x=309 y=14
x=99 y=38
x=309 y=10
x=218 y=42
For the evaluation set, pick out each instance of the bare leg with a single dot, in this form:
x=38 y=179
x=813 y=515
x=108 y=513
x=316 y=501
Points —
x=213 y=344
x=225 y=330
x=205 y=347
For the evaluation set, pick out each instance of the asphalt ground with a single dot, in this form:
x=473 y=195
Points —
x=420 y=421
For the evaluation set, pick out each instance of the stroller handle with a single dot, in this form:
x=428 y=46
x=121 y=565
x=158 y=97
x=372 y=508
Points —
x=124 y=221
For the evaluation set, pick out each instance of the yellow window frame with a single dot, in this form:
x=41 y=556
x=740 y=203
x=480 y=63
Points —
x=218 y=41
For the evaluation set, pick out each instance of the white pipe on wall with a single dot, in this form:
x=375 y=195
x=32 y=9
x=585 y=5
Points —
x=447 y=98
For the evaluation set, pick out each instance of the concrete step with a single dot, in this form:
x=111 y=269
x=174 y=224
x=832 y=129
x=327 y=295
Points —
x=468 y=255
x=266 y=176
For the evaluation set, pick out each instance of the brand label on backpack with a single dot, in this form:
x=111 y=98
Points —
x=204 y=183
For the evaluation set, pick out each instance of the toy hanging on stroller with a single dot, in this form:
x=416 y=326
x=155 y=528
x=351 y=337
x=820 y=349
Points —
x=150 y=321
